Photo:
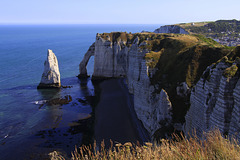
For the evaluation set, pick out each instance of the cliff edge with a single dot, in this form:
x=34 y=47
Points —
x=215 y=98
x=160 y=69
x=171 y=29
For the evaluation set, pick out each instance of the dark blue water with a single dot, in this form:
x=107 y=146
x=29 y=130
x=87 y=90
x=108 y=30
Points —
x=29 y=129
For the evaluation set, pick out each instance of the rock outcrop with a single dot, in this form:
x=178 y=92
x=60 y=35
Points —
x=151 y=108
x=160 y=70
x=215 y=100
x=171 y=29
x=110 y=56
x=84 y=62
x=51 y=74
x=118 y=55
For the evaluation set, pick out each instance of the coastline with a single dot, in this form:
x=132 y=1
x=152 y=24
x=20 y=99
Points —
x=143 y=133
x=51 y=126
x=114 y=115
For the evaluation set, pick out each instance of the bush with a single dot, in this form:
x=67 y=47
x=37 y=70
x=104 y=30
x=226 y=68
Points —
x=230 y=71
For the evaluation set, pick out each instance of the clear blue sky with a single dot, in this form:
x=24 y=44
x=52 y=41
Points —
x=116 y=12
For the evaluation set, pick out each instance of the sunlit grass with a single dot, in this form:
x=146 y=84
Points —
x=212 y=146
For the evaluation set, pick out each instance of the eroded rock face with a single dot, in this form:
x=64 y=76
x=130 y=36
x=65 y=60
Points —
x=171 y=29
x=151 y=108
x=84 y=62
x=114 y=57
x=51 y=74
x=215 y=101
x=110 y=58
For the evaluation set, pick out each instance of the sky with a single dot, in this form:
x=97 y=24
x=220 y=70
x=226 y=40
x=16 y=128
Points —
x=116 y=12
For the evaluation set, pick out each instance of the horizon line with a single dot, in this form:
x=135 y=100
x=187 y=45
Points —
x=60 y=23
x=82 y=23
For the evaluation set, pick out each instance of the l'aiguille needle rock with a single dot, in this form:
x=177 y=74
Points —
x=51 y=74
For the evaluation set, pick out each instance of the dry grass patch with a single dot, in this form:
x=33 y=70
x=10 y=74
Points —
x=213 y=146
x=188 y=40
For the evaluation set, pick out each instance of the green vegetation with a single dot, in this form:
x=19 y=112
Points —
x=235 y=54
x=181 y=58
x=152 y=58
x=115 y=36
x=213 y=29
x=196 y=24
x=213 y=146
x=208 y=41
x=230 y=71
x=176 y=58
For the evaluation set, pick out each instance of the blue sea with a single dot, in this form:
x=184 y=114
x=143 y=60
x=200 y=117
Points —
x=30 y=130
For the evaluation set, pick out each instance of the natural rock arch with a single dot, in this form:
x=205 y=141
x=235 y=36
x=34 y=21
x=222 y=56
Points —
x=84 y=62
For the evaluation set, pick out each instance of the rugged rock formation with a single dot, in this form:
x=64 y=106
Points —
x=60 y=101
x=84 y=62
x=117 y=55
x=51 y=74
x=110 y=56
x=151 y=108
x=160 y=70
x=215 y=100
x=171 y=29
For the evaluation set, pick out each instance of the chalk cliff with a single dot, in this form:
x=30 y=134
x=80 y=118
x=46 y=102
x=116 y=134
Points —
x=215 y=98
x=153 y=109
x=84 y=62
x=110 y=56
x=160 y=70
x=171 y=29
x=120 y=55
x=51 y=74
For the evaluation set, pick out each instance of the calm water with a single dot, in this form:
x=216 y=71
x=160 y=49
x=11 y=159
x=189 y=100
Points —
x=31 y=130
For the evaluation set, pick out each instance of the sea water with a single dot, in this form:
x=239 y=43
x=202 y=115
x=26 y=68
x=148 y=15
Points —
x=29 y=129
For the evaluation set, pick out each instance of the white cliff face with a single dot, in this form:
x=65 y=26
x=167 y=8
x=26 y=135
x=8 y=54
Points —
x=234 y=128
x=171 y=29
x=110 y=58
x=51 y=74
x=84 y=62
x=117 y=59
x=152 y=109
x=215 y=102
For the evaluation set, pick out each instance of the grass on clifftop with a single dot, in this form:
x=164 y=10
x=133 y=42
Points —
x=183 y=58
x=174 y=58
x=230 y=71
x=215 y=29
x=213 y=146
x=180 y=58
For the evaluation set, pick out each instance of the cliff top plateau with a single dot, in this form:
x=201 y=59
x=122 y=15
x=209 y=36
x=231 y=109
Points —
x=226 y=32
x=183 y=55
x=210 y=28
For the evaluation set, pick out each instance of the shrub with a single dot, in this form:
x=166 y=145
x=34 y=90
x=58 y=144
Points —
x=230 y=71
